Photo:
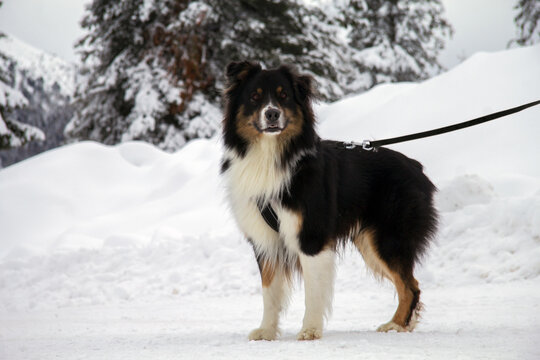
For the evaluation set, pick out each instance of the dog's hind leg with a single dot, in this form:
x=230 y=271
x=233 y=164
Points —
x=275 y=291
x=401 y=275
x=409 y=306
x=318 y=272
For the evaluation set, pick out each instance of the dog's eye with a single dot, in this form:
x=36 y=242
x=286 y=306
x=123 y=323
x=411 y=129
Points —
x=283 y=95
x=255 y=96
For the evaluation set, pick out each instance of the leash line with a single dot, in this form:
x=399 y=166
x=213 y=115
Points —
x=269 y=214
x=372 y=145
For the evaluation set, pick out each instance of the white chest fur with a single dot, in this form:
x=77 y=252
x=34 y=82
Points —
x=257 y=176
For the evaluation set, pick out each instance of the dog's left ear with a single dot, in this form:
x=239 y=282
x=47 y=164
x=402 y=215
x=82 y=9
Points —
x=304 y=87
x=238 y=71
x=303 y=84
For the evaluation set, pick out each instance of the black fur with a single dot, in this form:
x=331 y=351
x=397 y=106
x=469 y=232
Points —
x=385 y=191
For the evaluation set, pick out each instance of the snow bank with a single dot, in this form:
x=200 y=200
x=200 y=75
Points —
x=91 y=224
x=485 y=235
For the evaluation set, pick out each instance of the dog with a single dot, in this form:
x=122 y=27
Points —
x=298 y=199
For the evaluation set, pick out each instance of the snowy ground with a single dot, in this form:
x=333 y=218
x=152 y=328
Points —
x=467 y=322
x=129 y=252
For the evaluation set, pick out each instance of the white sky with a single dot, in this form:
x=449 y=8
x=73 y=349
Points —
x=479 y=25
x=53 y=25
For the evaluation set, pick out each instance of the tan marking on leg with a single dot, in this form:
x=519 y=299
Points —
x=405 y=284
x=364 y=243
x=268 y=271
x=405 y=297
x=275 y=299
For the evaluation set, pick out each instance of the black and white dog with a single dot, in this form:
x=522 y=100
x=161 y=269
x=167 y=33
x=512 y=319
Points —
x=323 y=195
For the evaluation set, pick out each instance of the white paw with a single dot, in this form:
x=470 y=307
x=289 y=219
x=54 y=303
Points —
x=309 y=334
x=263 y=334
x=389 y=326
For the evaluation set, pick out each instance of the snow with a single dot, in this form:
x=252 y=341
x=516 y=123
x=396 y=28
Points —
x=131 y=252
x=210 y=328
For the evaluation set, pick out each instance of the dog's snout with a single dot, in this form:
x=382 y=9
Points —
x=272 y=115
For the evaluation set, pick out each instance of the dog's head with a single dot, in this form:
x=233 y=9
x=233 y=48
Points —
x=266 y=103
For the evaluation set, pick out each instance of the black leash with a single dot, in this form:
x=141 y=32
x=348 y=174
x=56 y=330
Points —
x=371 y=145
x=268 y=213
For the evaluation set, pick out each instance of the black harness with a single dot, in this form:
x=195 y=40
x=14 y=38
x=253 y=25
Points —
x=269 y=215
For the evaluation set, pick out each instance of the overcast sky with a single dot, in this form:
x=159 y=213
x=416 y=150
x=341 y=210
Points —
x=53 y=25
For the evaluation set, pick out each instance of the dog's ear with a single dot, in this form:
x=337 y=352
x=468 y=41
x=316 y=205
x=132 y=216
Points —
x=304 y=87
x=238 y=71
x=303 y=84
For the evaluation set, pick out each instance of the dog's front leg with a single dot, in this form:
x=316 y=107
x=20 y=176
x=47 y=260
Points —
x=318 y=272
x=275 y=295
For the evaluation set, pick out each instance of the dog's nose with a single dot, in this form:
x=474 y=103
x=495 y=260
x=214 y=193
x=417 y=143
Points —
x=272 y=115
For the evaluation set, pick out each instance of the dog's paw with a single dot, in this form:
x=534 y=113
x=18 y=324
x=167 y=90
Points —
x=263 y=334
x=389 y=326
x=309 y=334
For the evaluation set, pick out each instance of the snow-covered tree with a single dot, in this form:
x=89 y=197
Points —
x=395 y=40
x=154 y=69
x=13 y=133
x=528 y=22
x=145 y=75
x=35 y=95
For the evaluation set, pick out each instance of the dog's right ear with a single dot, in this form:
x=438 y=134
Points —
x=238 y=71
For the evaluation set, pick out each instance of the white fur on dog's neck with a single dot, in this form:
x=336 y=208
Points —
x=260 y=174
x=257 y=175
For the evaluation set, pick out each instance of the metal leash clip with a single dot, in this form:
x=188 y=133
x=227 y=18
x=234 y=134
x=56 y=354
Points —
x=349 y=145
x=366 y=145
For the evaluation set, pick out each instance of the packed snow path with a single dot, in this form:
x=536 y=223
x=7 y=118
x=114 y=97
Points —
x=470 y=322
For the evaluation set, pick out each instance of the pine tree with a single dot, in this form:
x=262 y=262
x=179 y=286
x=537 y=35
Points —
x=528 y=22
x=396 y=40
x=154 y=69
x=13 y=133
x=139 y=81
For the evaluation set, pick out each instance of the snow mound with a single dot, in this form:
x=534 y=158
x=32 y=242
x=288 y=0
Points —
x=463 y=191
x=169 y=266
x=485 y=236
x=90 y=191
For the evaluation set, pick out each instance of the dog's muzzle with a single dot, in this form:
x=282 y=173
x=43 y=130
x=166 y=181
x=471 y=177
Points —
x=272 y=120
